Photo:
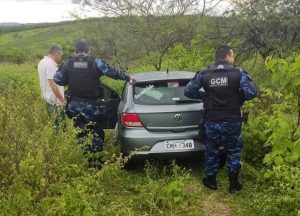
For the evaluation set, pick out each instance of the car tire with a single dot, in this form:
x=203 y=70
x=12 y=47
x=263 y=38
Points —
x=130 y=165
x=222 y=160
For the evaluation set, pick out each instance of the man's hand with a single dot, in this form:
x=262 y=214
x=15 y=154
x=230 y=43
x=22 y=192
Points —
x=131 y=79
x=56 y=92
x=63 y=104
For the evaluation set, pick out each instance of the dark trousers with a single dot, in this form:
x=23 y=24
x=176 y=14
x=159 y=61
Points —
x=59 y=114
x=87 y=126
x=227 y=134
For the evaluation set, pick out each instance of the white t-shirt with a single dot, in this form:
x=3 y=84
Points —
x=47 y=68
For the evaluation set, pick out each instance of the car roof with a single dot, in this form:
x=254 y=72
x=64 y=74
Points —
x=163 y=75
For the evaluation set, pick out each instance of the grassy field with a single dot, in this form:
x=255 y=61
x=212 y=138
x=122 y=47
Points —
x=40 y=37
x=44 y=171
x=31 y=42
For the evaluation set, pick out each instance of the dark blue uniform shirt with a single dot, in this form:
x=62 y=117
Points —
x=247 y=87
x=90 y=112
x=60 y=77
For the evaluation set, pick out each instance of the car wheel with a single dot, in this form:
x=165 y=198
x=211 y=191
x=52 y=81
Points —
x=130 y=164
x=222 y=160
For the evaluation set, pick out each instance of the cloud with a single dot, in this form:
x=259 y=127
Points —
x=33 y=0
x=28 y=11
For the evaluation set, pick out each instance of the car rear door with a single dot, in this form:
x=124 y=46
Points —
x=109 y=100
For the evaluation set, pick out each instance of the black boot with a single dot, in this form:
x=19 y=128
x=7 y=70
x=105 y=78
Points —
x=234 y=183
x=210 y=182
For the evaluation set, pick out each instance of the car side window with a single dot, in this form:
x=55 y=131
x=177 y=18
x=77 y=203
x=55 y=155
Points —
x=107 y=92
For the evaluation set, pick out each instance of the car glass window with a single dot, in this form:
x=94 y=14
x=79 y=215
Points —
x=106 y=92
x=165 y=92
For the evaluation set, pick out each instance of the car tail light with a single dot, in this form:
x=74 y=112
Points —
x=131 y=120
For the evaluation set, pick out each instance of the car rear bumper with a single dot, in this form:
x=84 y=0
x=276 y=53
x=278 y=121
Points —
x=169 y=155
x=148 y=144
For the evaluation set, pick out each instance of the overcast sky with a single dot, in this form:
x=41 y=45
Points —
x=35 y=11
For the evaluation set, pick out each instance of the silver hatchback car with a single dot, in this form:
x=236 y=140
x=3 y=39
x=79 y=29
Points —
x=155 y=119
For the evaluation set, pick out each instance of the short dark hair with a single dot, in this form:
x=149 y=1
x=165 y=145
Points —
x=55 y=49
x=222 y=51
x=82 y=47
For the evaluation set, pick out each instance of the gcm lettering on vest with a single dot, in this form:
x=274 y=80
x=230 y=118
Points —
x=218 y=81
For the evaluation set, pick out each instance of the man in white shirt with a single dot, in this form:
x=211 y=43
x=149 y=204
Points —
x=52 y=93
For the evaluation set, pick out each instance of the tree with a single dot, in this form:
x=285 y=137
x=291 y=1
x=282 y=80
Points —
x=157 y=25
x=266 y=27
x=111 y=40
x=150 y=7
x=284 y=127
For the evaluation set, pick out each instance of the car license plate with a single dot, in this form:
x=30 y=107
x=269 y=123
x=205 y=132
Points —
x=179 y=144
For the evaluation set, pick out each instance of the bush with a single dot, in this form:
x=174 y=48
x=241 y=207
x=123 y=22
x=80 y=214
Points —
x=271 y=134
x=43 y=170
x=16 y=56
x=273 y=130
x=35 y=157
x=190 y=57
x=272 y=144
x=273 y=191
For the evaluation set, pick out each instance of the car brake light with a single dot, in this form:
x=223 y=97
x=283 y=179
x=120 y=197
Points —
x=131 y=120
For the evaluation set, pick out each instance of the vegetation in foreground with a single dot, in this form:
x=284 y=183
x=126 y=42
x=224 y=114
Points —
x=44 y=171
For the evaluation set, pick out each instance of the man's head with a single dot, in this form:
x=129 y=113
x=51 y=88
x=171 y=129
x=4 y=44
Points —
x=82 y=47
x=56 y=53
x=224 y=53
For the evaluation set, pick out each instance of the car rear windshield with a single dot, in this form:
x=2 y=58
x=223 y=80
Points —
x=166 y=92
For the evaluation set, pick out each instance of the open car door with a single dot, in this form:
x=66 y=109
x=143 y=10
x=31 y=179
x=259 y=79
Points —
x=110 y=100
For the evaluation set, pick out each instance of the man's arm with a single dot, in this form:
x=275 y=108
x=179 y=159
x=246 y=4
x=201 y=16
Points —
x=192 y=88
x=110 y=71
x=248 y=88
x=60 y=77
x=56 y=92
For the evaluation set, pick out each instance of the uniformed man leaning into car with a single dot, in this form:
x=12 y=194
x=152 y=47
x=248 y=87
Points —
x=226 y=88
x=82 y=76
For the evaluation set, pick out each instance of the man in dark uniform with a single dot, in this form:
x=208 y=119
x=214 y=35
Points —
x=82 y=75
x=226 y=87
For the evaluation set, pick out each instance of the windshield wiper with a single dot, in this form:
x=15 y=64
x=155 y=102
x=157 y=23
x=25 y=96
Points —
x=188 y=101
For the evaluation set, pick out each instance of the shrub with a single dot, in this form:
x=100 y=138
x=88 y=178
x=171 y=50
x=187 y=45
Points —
x=271 y=191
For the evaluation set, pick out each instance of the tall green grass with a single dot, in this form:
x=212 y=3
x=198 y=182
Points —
x=43 y=170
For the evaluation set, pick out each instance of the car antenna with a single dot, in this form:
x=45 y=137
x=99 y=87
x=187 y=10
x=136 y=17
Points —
x=168 y=67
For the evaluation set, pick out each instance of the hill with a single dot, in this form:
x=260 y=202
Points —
x=112 y=38
x=33 y=40
x=37 y=36
x=10 y=24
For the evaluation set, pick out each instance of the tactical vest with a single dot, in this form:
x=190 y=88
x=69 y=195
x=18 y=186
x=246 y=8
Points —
x=222 y=92
x=83 y=78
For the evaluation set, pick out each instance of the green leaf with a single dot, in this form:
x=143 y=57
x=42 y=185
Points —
x=267 y=159
x=177 y=199
x=268 y=174
x=278 y=160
